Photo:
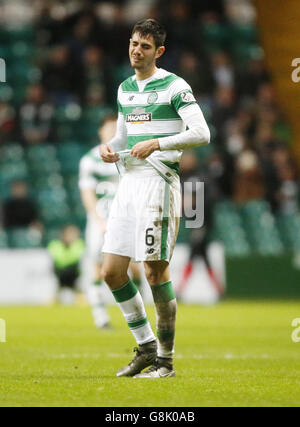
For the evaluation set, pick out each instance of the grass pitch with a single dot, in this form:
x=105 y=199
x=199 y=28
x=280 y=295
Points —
x=232 y=354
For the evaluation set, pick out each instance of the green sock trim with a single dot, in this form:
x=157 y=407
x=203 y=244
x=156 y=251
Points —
x=126 y=292
x=138 y=323
x=163 y=292
x=97 y=282
x=165 y=335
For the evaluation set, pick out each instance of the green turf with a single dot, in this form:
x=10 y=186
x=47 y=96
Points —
x=232 y=354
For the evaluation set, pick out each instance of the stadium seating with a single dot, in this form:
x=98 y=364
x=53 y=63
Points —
x=289 y=226
x=229 y=229
x=12 y=164
x=69 y=155
x=54 y=207
x=3 y=239
x=261 y=228
x=24 y=238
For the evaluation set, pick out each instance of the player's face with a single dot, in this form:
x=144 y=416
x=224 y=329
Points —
x=143 y=52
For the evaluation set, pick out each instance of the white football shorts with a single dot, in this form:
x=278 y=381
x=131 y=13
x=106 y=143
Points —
x=144 y=218
x=94 y=240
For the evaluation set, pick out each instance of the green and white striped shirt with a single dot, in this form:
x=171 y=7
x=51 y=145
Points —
x=99 y=176
x=160 y=107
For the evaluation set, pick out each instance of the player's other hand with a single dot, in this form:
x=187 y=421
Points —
x=107 y=154
x=143 y=149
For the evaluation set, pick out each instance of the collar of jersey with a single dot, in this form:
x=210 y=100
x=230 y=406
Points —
x=159 y=74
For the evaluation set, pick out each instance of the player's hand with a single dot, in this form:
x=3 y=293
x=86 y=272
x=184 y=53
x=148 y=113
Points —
x=107 y=154
x=143 y=149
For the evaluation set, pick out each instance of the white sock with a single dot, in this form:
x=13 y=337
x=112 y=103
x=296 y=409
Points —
x=95 y=294
x=132 y=306
x=66 y=296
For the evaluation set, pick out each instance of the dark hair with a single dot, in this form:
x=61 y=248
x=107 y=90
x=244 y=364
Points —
x=150 y=27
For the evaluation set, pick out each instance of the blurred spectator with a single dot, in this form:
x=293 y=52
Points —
x=251 y=76
x=61 y=78
x=288 y=191
x=235 y=137
x=7 y=122
x=19 y=210
x=223 y=109
x=222 y=69
x=240 y=11
x=117 y=31
x=86 y=31
x=95 y=74
x=36 y=116
x=196 y=73
x=248 y=179
x=178 y=24
x=265 y=96
x=286 y=181
x=66 y=253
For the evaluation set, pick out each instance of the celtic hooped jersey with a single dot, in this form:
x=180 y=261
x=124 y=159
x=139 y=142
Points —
x=102 y=177
x=152 y=111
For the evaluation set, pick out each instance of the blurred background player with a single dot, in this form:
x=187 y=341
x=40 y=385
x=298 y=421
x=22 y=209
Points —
x=200 y=238
x=98 y=183
x=67 y=253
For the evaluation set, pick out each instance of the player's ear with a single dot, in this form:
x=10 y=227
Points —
x=160 y=51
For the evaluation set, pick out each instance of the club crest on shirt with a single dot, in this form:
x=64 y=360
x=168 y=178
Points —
x=187 y=97
x=138 y=116
x=152 y=98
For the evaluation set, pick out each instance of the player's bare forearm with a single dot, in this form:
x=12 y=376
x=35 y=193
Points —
x=144 y=149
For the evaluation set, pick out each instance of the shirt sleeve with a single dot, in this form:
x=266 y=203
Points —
x=86 y=179
x=185 y=104
x=197 y=134
x=119 y=141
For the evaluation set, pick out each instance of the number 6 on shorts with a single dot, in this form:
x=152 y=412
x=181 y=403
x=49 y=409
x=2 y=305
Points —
x=149 y=237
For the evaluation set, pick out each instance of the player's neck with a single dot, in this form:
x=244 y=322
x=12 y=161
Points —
x=145 y=74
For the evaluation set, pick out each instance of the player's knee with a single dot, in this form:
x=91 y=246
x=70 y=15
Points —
x=113 y=277
x=108 y=276
x=153 y=277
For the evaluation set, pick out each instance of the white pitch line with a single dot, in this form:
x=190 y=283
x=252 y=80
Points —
x=227 y=356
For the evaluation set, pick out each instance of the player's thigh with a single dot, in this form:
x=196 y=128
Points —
x=98 y=271
x=114 y=269
x=157 y=272
x=134 y=268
